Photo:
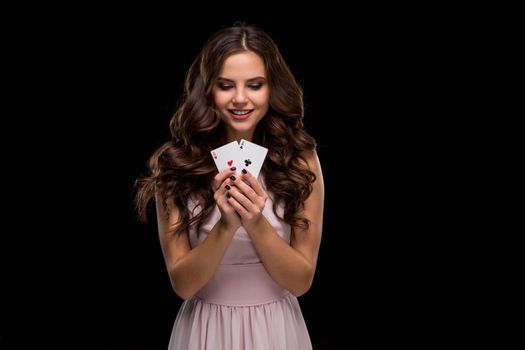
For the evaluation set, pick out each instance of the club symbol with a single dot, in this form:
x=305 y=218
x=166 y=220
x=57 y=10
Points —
x=247 y=162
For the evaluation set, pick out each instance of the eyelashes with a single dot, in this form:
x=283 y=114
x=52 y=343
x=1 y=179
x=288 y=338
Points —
x=226 y=87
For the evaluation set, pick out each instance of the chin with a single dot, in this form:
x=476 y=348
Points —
x=240 y=128
x=244 y=128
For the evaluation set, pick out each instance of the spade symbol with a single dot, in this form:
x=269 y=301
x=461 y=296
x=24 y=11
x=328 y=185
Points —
x=247 y=162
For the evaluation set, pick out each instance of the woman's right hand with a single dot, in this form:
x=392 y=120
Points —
x=230 y=219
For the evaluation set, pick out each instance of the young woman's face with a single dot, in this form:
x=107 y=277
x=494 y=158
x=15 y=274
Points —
x=242 y=94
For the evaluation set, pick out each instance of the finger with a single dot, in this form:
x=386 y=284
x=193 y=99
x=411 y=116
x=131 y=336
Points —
x=245 y=189
x=237 y=206
x=228 y=183
x=221 y=190
x=221 y=176
x=246 y=175
x=224 y=204
x=242 y=199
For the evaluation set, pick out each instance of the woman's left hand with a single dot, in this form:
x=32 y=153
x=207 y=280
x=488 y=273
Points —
x=247 y=200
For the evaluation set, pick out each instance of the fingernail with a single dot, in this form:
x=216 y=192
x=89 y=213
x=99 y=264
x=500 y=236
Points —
x=228 y=195
x=232 y=178
x=227 y=187
x=233 y=168
x=244 y=171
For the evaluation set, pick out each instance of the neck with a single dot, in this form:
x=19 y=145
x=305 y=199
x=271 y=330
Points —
x=238 y=136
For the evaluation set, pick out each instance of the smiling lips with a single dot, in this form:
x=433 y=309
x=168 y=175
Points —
x=240 y=113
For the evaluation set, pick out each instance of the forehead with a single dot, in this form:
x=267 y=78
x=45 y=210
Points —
x=243 y=65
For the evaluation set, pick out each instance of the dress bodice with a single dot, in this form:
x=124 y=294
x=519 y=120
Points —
x=241 y=249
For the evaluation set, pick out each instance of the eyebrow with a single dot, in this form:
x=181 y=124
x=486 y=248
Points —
x=249 y=80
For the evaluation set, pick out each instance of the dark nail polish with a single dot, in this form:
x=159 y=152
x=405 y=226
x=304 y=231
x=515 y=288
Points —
x=232 y=178
x=228 y=195
x=233 y=168
x=228 y=187
x=244 y=171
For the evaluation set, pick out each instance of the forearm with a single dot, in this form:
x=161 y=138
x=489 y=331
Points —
x=191 y=272
x=287 y=266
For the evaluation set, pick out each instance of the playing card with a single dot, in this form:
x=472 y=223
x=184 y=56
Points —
x=227 y=156
x=252 y=156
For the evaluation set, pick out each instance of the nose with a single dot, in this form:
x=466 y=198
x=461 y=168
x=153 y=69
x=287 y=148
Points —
x=239 y=97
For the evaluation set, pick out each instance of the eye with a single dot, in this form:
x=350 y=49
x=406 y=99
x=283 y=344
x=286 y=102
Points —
x=255 y=86
x=225 y=86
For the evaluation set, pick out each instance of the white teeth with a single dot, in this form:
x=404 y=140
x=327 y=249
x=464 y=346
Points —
x=240 y=112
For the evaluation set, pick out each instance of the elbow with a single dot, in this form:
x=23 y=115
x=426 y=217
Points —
x=183 y=290
x=303 y=284
x=183 y=293
x=301 y=289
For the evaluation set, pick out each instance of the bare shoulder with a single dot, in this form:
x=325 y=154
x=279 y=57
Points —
x=312 y=159
x=167 y=214
x=173 y=246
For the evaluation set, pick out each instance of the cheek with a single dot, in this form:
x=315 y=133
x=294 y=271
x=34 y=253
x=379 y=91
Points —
x=220 y=99
x=262 y=98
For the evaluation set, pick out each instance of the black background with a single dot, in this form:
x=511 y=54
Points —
x=92 y=94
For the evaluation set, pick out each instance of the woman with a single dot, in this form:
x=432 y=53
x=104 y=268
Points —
x=238 y=249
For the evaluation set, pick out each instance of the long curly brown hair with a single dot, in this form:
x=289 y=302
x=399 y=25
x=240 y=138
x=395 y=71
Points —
x=183 y=168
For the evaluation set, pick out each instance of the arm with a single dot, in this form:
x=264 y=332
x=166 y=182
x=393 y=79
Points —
x=291 y=266
x=190 y=269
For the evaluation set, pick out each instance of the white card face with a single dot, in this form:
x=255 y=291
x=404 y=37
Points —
x=227 y=156
x=252 y=157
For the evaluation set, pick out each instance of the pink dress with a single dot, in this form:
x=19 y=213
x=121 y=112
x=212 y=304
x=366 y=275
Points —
x=241 y=307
